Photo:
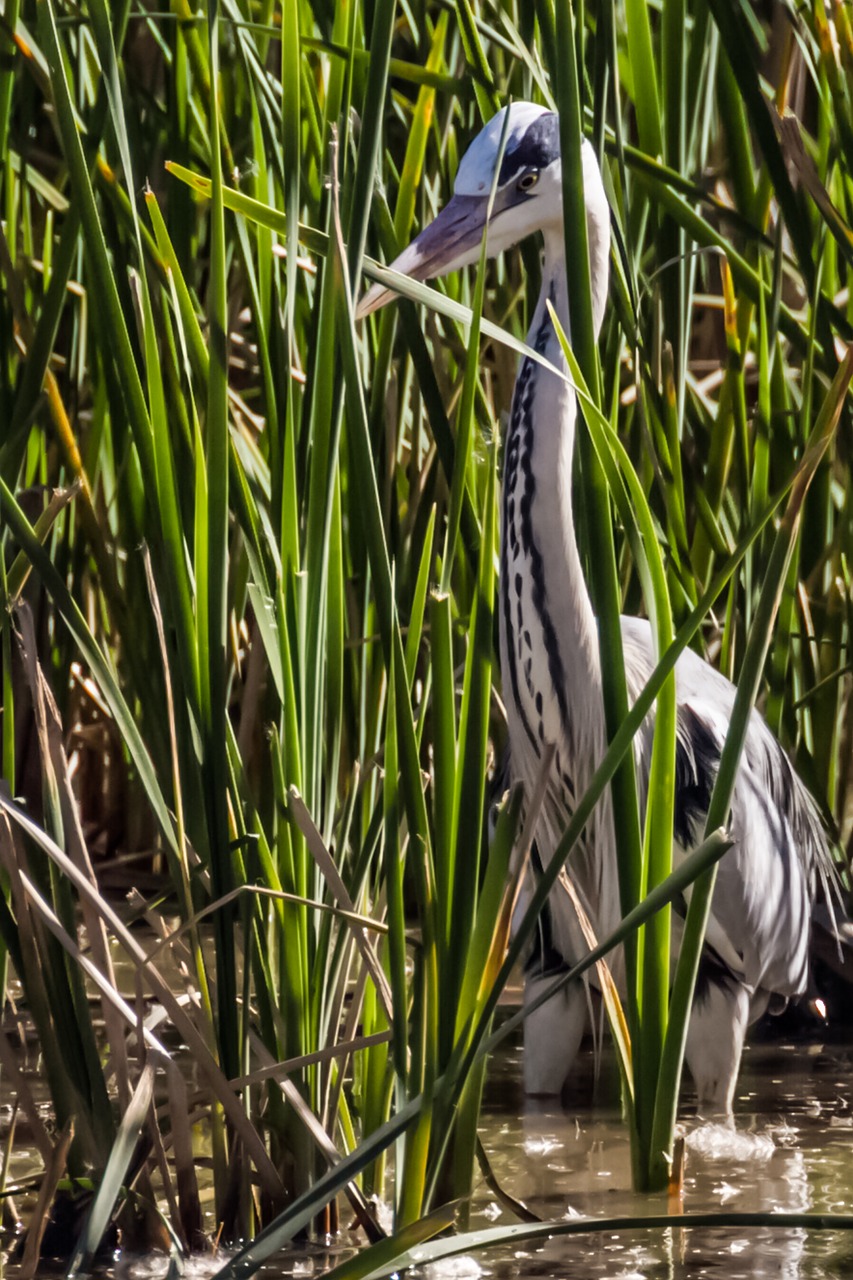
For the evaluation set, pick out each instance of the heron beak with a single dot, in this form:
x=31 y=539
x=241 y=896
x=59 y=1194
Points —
x=451 y=241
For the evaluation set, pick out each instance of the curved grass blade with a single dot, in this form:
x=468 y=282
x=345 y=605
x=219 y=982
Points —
x=318 y=242
x=469 y=1242
x=706 y=855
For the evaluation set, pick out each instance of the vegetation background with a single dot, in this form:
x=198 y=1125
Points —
x=249 y=548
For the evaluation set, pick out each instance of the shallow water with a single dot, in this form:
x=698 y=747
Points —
x=791 y=1150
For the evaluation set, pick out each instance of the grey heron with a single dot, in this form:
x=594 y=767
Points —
x=757 y=943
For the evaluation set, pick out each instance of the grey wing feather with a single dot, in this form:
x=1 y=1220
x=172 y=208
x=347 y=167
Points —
x=766 y=884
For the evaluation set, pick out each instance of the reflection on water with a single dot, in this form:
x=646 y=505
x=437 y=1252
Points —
x=791 y=1151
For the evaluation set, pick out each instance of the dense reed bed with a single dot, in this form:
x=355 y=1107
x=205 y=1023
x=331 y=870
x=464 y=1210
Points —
x=248 y=556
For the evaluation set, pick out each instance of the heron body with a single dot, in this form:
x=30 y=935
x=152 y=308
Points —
x=757 y=942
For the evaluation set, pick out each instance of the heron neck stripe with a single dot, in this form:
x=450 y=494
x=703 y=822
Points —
x=519 y=531
x=510 y=540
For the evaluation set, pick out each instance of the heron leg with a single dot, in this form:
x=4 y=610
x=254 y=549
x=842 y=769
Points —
x=552 y=1034
x=715 y=1036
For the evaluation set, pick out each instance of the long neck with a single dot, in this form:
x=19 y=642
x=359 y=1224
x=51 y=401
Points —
x=548 y=632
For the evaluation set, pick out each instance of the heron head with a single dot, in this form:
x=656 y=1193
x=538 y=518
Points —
x=528 y=197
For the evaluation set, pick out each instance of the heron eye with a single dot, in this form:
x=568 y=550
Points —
x=528 y=180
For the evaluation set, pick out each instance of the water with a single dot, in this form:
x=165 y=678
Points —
x=791 y=1150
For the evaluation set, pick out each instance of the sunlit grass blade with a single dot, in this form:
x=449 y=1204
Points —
x=649 y=1015
x=394 y=883
x=488 y=99
x=604 y=585
x=645 y=77
x=113 y=1178
x=113 y=316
